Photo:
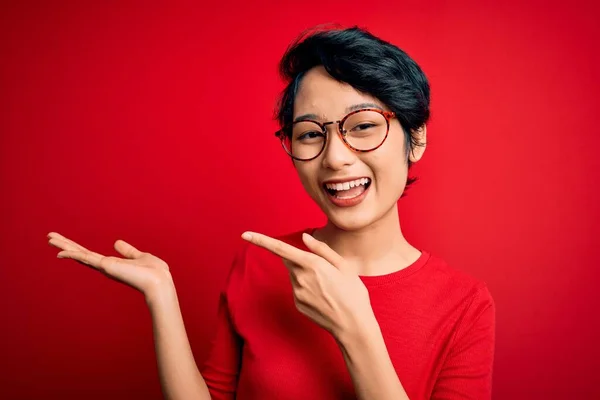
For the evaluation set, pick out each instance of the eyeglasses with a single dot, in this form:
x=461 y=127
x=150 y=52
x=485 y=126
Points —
x=361 y=130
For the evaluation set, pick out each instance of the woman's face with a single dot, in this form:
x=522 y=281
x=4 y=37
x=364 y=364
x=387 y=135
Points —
x=379 y=176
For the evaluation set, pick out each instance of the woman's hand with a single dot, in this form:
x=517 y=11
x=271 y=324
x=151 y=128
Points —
x=324 y=290
x=179 y=375
x=142 y=271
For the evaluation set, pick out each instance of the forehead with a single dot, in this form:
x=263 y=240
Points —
x=322 y=95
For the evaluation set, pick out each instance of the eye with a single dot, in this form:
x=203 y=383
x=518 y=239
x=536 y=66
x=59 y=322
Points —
x=363 y=126
x=310 y=135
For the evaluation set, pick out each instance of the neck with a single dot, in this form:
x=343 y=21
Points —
x=376 y=249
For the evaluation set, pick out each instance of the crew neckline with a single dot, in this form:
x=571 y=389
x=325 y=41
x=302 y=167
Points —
x=376 y=280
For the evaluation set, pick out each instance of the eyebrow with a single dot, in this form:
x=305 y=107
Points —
x=349 y=109
x=363 y=105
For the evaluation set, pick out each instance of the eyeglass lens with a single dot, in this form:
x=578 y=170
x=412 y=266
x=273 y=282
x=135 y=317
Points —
x=364 y=130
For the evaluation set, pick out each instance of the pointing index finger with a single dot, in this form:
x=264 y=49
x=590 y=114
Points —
x=277 y=247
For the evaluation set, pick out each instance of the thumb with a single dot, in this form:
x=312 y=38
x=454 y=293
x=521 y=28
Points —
x=323 y=250
x=127 y=250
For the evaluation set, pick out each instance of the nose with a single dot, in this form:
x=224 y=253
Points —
x=336 y=154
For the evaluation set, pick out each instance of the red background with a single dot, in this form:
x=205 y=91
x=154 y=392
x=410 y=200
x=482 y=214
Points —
x=153 y=124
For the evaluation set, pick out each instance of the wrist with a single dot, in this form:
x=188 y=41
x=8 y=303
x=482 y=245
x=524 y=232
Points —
x=161 y=292
x=363 y=332
x=363 y=345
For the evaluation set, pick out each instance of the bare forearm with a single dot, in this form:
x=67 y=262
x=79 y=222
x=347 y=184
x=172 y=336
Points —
x=179 y=374
x=370 y=366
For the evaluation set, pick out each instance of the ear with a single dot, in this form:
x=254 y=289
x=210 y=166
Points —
x=420 y=136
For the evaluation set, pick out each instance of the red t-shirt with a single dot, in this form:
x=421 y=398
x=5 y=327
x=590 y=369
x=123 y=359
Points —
x=437 y=323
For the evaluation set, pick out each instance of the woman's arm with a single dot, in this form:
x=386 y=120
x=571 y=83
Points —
x=368 y=361
x=179 y=375
x=468 y=367
x=178 y=372
x=467 y=370
x=338 y=301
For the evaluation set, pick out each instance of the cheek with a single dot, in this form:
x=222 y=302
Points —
x=388 y=173
x=390 y=169
x=307 y=174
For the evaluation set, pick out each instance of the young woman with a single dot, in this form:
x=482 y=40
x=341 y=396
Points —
x=348 y=310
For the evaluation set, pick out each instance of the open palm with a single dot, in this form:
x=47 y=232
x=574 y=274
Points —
x=143 y=271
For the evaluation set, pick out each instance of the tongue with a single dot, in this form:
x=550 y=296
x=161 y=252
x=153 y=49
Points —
x=352 y=192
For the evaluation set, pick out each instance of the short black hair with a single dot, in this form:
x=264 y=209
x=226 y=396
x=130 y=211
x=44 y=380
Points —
x=367 y=63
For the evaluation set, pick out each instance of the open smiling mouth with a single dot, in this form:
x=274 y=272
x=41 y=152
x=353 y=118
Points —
x=347 y=193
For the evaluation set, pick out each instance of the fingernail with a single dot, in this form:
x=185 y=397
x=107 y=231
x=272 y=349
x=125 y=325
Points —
x=307 y=236
x=59 y=256
x=247 y=236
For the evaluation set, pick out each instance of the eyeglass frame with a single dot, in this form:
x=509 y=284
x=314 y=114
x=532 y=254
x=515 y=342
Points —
x=388 y=115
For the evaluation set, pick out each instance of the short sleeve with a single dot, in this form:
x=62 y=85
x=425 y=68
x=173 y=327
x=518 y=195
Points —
x=221 y=369
x=467 y=370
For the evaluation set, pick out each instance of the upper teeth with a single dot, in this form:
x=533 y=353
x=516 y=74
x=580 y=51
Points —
x=347 y=185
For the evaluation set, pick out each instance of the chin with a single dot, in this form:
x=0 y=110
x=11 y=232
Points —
x=351 y=221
